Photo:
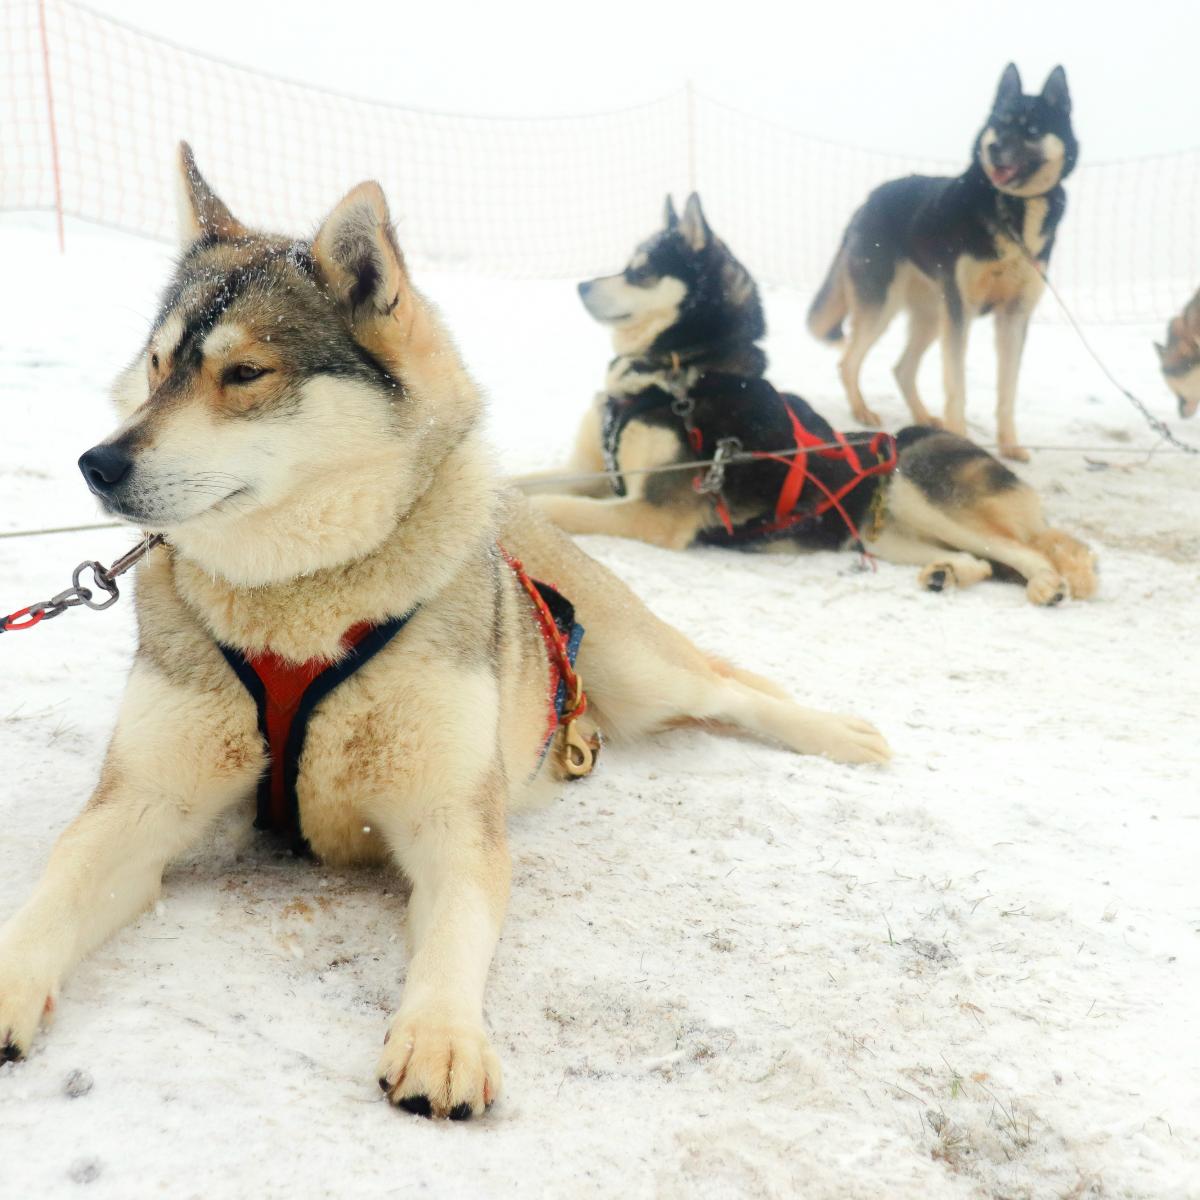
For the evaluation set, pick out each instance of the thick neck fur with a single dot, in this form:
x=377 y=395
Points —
x=420 y=553
x=733 y=357
x=369 y=542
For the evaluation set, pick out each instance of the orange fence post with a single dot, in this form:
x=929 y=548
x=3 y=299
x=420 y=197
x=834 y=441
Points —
x=58 y=204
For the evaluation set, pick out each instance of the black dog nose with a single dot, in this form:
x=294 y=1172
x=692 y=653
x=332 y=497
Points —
x=104 y=467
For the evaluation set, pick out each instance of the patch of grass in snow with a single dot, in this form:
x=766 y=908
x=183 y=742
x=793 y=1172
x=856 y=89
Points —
x=59 y=732
x=952 y=1147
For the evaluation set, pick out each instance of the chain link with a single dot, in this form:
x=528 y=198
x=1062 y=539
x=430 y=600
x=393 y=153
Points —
x=729 y=450
x=103 y=580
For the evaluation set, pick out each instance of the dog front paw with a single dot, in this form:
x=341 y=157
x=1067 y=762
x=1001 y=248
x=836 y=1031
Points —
x=954 y=571
x=1013 y=452
x=937 y=577
x=25 y=999
x=438 y=1068
x=1046 y=589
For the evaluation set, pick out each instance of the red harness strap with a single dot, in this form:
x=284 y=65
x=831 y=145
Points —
x=286 y=693
x=722 y=511
x=568 y=700
x=882 y=446
x=285 y=684
x=793 y=485
x=562 y=668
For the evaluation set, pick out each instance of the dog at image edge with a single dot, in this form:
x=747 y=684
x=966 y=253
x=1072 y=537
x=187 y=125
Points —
x=948 y=250
x=686 y=318
x=1179 y=359
x=302 y=430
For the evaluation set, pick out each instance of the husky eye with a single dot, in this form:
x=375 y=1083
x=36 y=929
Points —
x=636 y=276
x=154 y=361
x=245 y=373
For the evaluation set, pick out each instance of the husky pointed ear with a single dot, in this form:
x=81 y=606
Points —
x=357 y=253
x=1054 y=90
x=693 y=226
x=1010 y=86
x=201 y=212
x=670 y=217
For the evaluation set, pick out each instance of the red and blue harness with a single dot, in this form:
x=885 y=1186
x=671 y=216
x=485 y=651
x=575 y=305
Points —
x=287 y=693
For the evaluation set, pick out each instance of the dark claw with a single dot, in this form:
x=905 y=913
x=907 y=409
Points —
x=1057 y=598
x=417 y=1105
x=460 y=1112
x=384 y=1086
x=936 y=582
x=10 y=1053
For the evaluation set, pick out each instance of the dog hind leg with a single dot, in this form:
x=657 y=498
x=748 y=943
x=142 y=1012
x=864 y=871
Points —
x=940 y=566
x=643 y=675
x=867 y=326
x=1075 y=562
x=1000 y=528
x=922 y=331
x=647 y=676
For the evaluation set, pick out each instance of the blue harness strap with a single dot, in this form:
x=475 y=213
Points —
x=571 y=633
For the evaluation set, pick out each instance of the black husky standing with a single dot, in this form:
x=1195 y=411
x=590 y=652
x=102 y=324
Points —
x=949 y=250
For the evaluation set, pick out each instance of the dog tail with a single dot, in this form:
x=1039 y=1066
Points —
x=830 y=305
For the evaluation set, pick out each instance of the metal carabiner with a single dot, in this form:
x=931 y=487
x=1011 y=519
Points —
x=714 y=477
x=104 y=582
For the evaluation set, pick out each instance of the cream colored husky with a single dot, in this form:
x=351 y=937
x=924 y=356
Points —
x=302 y=430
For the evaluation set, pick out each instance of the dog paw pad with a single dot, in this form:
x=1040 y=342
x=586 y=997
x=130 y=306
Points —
x=419 y=1106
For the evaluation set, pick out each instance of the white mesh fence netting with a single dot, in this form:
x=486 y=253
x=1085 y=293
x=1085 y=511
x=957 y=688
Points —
x=91 y=110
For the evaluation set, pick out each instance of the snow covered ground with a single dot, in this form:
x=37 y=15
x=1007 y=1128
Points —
x=726 y=971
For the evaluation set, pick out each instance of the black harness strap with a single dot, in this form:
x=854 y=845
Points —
x=618 y=412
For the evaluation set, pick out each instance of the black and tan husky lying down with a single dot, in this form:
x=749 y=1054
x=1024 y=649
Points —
x=301 y=429
x=688 y=385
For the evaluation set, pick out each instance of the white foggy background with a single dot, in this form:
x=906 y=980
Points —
x=913 y=78
x=1063 y=898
